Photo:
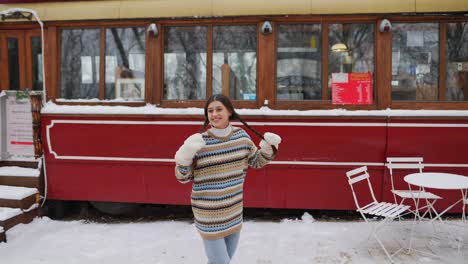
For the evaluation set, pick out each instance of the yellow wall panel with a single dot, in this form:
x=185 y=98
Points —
x=361 y=6
x=165 y=8
x=82 y=10
x=260 y=7
x=435 y=5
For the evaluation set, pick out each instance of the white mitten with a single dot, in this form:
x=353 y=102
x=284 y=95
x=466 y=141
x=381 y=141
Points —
x=270 y=140
x=184 y=156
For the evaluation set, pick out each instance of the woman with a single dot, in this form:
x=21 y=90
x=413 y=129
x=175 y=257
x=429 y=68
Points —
x=217 y=161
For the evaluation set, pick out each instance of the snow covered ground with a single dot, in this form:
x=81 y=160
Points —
x=262 y=242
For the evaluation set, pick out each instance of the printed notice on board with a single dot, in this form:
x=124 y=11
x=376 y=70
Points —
x=352 y=88
x=19 y=127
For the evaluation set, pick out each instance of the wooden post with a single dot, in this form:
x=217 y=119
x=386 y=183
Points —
x=36 y=105
x=225 y=79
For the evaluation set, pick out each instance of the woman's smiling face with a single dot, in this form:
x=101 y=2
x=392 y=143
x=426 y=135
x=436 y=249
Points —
x=218 y=115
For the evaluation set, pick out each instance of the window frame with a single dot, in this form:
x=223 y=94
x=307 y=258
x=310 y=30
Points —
x=441 y=103
x=209 y=23
x=57 y=29
x=266 y=60
x=325 y=103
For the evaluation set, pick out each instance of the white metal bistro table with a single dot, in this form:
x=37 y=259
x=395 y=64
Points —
x=443 y=181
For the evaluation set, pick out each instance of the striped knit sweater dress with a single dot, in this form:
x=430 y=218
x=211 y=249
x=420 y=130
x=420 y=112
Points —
x=218 y=173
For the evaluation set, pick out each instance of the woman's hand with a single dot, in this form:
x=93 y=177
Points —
x=184 y=156
x=270 y=139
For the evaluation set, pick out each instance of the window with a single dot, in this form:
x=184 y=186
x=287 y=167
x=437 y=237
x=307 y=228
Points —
x=415 y=61
x=36 y=57
x=125 y=63
x=13 y=63
x=185 y=50
x=235 y=61
x=457 y=62
x=233 y=56
x=351 y=50
x=80 y=64
x=305 y=62
x=298 y=62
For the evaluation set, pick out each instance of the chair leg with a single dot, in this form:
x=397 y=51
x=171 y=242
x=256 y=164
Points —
x=384 y=249
x=412 y=232
x=464 y=203
x=429 y=208
x=376 y=237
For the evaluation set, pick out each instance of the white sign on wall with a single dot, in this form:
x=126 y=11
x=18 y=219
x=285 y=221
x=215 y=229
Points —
x=18 y=124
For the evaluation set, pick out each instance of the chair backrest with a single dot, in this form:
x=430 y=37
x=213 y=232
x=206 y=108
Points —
x=356 y=176
x=406 y=163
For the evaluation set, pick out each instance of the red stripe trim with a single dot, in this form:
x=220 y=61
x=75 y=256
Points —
x=21 y=142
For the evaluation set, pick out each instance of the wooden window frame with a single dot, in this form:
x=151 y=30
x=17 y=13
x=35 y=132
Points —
x=209 y=23
x=24 y=57
x=441 y=103
x=266 y=60
x=325 y=103
x=58 y=27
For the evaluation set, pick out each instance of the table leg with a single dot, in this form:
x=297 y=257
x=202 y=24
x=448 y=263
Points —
x=439 y=215
x=465 y=203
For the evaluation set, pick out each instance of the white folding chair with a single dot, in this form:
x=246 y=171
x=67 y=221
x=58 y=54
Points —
x=387 y=211
x=411 y=163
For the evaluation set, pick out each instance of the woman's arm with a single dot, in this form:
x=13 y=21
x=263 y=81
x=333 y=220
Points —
x=184 y=157
x=261 y=157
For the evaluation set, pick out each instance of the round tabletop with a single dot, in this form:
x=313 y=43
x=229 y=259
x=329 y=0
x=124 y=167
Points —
x=438 y=180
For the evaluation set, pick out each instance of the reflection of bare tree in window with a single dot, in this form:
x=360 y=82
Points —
x=359 y=39
x=187 y=66
x=120 y=47
x=237 y=45
x=125 y=56
x=185 y=63
x=456 y=44
x=79 y=63
x=415 y=61
x=138 y=38
x=457 y=62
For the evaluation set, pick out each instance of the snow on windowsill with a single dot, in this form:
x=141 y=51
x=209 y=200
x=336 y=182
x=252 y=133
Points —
x=150 y=109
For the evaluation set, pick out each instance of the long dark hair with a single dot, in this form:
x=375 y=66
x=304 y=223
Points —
x=234 y=115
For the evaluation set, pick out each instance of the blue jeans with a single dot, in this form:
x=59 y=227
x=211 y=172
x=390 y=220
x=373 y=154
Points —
x=221 y=251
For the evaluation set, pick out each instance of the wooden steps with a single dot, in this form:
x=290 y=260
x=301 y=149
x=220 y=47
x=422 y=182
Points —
x=19 y=195
x=32 y=182
x=9 y=217
x=20 y=176
x=2 y=235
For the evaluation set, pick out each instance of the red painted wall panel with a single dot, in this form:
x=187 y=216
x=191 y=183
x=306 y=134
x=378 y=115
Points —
x=338 y=145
